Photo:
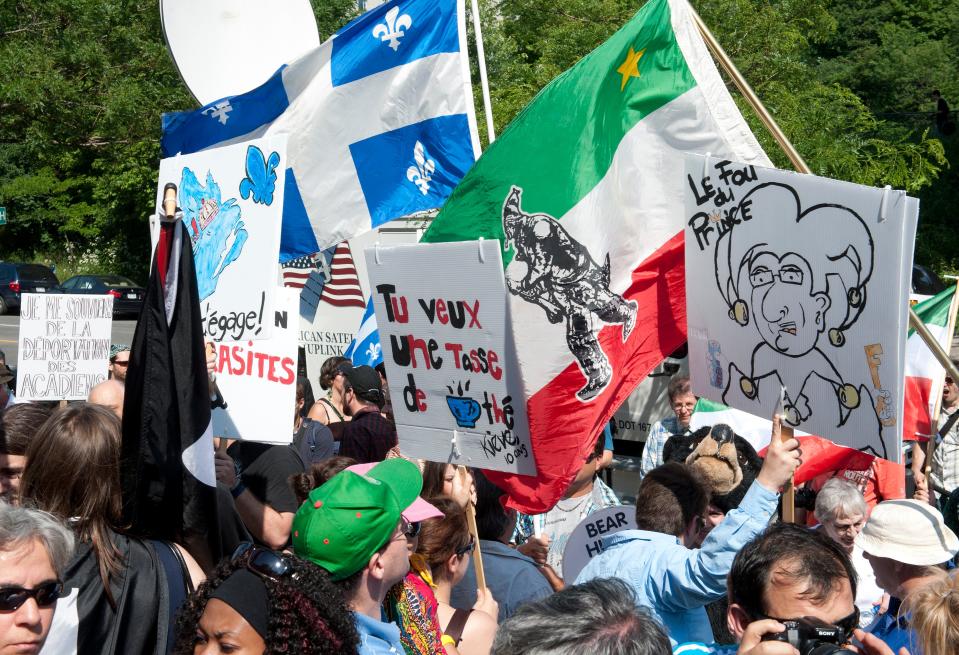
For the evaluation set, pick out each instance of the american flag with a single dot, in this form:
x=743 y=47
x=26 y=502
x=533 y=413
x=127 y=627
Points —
x=296 y=271
x=343 y=288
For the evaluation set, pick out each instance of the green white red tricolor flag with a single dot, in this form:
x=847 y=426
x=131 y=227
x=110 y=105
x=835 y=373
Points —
x=585 y=192
x=924 y=374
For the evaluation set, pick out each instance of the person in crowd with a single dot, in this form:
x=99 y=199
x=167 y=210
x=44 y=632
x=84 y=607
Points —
x=261 y=602
x=317 y=475
x=599 y=617
x=34 y=551
x=119 y=361
x=369 y=436
x=311 y=439
x=944 y=477
x=942 y=112
x=109 y=394
x=446 y=544
x=331 y=409
x=841 y=511
x=607 y=458
x=257 y=475
x=440 y=479
x=543 y=537
x=20 y=424
x=935 y=616
x=387 y=408
x=513 y=578
x=906 y=542
x=682 y=401
x=673 y=580
x=7 y=398
x=352 y=526
x=123 y=592
x=788 y=572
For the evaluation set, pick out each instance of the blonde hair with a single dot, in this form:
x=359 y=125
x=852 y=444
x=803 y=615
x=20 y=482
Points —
x=935 y=615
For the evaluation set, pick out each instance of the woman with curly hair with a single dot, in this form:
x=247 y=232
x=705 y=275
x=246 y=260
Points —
x=261 y=602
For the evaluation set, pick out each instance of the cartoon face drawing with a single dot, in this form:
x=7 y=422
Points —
x=788 y=314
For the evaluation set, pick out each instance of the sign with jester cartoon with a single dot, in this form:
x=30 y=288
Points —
x=799 y=285
x=231 y=199
x=450 y=361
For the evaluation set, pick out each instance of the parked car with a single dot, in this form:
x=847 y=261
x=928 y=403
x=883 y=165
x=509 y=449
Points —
x=24 y=278
x=127 y=294
x=925 y=282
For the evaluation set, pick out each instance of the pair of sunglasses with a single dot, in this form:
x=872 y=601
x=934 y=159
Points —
x=46 y=594
x=468 y=548
x=411 y=529
x=263 y=562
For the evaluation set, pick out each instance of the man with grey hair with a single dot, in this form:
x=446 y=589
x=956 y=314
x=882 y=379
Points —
x=599 y=617
x=841 y=510
x=35 y=548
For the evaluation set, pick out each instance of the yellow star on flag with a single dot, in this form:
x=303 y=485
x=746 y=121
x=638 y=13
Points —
x=630 y=67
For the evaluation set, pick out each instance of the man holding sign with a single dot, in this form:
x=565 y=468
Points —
x=674 y=581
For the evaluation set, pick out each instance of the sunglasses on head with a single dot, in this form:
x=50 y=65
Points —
x=468 y=548
x=263 y=562
x=46 y=594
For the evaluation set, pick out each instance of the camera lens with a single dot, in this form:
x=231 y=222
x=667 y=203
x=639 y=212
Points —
x=819 y=648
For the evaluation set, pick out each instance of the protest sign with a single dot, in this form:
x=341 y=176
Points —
x=64 y=347
x=256 y=380
x=444 y=328
x=586 y=540
x=800 y=282
x=232 y=204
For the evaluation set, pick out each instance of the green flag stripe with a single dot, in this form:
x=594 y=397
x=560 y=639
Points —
x=561 y=145
x=935 y=310
x=707 y=405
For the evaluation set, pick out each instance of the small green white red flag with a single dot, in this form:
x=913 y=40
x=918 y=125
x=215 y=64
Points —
x=585 y=192
x=924 y=374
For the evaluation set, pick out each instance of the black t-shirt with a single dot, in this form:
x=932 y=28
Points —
x=266 y=470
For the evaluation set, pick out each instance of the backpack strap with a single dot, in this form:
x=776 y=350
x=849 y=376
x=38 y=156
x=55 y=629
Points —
x=330 y=405
x=454 y=629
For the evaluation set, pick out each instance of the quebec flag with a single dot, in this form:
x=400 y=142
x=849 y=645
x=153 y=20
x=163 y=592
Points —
x=379 y=117
x=365 y=347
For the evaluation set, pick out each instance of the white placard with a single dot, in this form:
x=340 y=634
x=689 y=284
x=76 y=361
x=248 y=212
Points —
x=441 y=310
x=586 y=540
x=801 y=282
x=257 y=380
x=64 y=348
x=232 y=204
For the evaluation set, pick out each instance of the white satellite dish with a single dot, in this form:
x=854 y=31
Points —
x=226 y=47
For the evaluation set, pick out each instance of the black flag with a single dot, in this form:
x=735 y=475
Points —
x=169 y=483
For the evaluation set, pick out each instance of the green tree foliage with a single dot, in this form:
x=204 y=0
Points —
x=82 y=86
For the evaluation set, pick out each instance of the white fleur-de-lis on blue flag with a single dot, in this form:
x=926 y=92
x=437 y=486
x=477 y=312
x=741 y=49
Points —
x=421 y=173
x=393 y=29
x=219 y=111
x=365 y=347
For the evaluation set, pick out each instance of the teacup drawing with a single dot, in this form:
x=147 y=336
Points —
x=464 y=410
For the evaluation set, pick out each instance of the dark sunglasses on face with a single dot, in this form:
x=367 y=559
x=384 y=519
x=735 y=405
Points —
x=46 y=594
x=121 y=362
x=263 y=562
x=411 y=529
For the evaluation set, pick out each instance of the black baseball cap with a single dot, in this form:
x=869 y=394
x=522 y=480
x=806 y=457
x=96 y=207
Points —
x=364 y=380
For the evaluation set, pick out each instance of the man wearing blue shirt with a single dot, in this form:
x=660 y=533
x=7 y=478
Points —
x=674 y=581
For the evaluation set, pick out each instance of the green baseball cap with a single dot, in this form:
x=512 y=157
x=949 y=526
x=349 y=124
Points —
x=350 y=517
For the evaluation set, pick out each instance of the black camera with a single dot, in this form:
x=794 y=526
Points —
x=811 y=636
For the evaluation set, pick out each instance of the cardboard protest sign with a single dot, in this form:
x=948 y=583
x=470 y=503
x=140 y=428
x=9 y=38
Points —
x=256 y=380
x=586 y=540
x=801 y=282
x=442 y=315
x=64 y=347
x=232 y=204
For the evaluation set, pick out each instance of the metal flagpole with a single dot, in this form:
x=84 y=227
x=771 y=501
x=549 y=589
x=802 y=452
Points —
x=484 y=83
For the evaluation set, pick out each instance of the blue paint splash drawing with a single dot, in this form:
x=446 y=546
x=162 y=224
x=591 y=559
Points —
x=215 y=227
x=260 y=180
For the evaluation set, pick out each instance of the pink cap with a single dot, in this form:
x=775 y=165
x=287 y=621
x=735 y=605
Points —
x=420 y=510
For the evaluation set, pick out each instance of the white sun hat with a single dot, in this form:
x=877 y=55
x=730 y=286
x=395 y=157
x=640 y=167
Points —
x=908 y=531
